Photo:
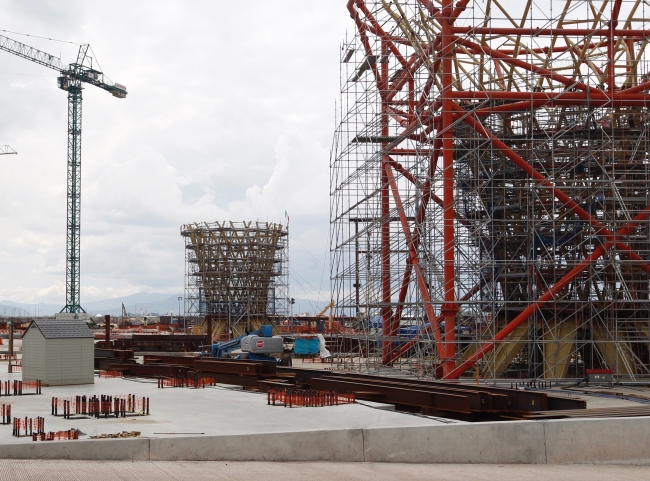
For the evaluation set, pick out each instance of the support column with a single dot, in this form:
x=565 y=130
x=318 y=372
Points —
x=208 y=319
x=10 y=325
x=386 y=311
x=559 y=343
x=449 y=308
x=107 y=331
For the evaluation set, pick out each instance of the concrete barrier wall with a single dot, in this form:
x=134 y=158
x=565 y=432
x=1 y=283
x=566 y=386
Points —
x=614 y=440
x=95 y=449
x=504 y=442
x=617 y=440
x=345 y=445
x=622 y=440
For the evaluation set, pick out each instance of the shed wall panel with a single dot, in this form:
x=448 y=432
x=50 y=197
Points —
x=34 y=357
x=77 y=361
x=88 y=361
x=53 y=350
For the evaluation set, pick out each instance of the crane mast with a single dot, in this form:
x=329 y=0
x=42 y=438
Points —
x=73 y=247
x=71 y=79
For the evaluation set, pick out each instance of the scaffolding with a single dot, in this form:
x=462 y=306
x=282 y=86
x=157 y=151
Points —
x=237 y=273
x=490 y=189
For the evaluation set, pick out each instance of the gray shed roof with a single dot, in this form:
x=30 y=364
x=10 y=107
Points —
x=57 y=329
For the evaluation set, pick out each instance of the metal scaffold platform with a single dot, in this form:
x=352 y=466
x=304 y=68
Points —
x=237 y=275
x=490 y=189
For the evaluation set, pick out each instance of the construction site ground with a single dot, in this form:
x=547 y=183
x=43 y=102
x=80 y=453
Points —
x=210 y=411
x=229 y=410
x=188 y=471
x=229 y=423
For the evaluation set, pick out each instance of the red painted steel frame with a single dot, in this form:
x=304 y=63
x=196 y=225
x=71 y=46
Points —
x=441 y=50
x=449 y=308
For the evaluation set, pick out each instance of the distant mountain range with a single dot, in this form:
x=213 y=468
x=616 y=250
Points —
x=135 y=303
x=150 y=303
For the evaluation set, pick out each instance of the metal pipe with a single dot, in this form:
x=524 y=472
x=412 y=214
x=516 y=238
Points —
x=107 y=330
x=560 y=32
x=10 y=325
x=208 y=320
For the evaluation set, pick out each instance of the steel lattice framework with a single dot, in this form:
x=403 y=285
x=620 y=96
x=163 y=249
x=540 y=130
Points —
x=237 y=273
x=73 y=241
x=490 y=189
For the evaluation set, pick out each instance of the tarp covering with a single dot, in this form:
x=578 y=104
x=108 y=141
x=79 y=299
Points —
x=324 y=353
x=306 y=346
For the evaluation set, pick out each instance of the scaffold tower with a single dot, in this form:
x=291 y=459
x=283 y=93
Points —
x=490 y=189
x=237 y=273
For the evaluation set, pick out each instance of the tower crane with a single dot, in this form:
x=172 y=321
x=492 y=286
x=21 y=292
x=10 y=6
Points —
x=71 y=78
x=6 y=150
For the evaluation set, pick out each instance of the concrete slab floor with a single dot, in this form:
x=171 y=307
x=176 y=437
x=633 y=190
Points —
x=218 y=410
x=228 y=410
x=191 y=471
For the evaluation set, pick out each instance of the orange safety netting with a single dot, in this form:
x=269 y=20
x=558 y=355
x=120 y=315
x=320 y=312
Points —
x=5 y=409
x=56 y=436
x=309 y=398
x=101 y=406
x=191 y=382
x=30 y=426
x=18 y=388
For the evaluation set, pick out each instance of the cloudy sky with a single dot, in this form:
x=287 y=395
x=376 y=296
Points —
x=230 y=115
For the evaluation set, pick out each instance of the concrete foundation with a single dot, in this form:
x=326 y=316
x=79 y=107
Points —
x=226 y=424
x=65 y=470
x=526 y=442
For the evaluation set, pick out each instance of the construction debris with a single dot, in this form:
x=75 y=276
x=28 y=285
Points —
x=123 y=434
x=57 y=436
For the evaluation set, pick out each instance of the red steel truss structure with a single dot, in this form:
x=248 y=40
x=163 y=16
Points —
x=490 y=188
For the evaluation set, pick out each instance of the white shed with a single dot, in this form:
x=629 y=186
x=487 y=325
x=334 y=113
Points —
x=59 y=352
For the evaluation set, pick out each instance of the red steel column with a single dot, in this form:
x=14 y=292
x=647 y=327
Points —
x=386 y=313
x=449 y=307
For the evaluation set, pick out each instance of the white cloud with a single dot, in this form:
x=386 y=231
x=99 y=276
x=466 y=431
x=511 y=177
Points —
x=299 y=182
x=229 y=116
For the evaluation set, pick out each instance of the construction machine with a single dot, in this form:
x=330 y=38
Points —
x=259 y=345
